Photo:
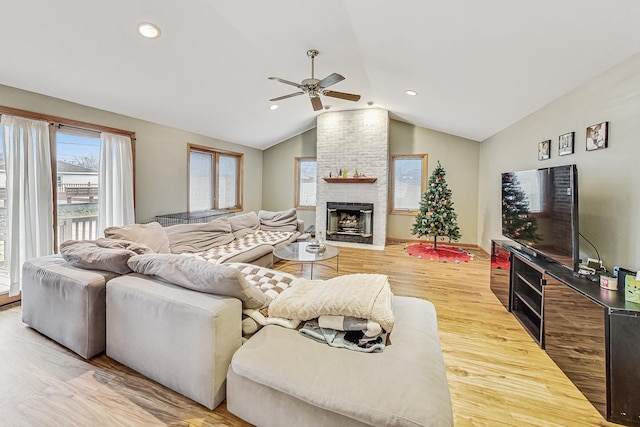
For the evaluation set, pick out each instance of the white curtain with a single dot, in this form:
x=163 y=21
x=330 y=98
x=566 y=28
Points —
x=115 y=182
x=29 y=207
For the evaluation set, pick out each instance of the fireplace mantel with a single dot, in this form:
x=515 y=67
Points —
x=350 y=180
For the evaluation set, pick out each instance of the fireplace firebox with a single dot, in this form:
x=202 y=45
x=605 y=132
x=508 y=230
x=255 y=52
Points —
x=350 y=222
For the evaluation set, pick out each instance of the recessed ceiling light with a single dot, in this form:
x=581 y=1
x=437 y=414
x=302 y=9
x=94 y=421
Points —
x=411 y=92
x=273 y=107
x=148 y=30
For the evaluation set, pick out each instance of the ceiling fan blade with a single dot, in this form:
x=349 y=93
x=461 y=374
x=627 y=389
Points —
x=342 y=95
x=316 y=103
x=330 y=80
x=287 y=96
x=285 y=82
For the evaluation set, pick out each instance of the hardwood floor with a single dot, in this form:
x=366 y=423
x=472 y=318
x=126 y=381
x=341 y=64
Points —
x=497 y=374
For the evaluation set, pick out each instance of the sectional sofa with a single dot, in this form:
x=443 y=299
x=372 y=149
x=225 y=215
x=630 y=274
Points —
x=178 y=321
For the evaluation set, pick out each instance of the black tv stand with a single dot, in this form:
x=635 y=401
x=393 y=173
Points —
x=591 y=333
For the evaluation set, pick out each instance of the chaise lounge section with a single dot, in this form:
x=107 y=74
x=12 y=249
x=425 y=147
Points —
x=281 y=378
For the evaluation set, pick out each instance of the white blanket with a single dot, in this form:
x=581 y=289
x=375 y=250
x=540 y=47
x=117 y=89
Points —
x=365 y=296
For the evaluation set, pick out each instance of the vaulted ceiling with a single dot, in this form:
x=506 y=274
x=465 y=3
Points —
x=478 y=66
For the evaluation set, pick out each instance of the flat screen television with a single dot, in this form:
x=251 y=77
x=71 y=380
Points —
x=540 y=211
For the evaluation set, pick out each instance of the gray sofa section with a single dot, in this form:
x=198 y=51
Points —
x=177 y=337
x=66 y=303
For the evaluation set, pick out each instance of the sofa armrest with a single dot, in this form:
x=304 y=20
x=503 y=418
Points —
x=301 y=226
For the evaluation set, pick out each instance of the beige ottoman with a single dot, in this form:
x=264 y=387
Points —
x=65 y=303
x=181 y=338
x=280 y=378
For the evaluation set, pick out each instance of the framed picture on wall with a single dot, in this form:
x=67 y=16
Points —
x=597 y=136
x=544 y=149
x=565 y=144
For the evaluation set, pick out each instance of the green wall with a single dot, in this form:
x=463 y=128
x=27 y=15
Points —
x=609 y=194
x=279 y=173
x=161 y=153
x=459 y=157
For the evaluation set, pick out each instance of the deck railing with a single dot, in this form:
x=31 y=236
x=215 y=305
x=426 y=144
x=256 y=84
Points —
x=78 y=228
x=81 y=192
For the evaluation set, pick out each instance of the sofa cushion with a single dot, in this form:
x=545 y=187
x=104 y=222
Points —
x=244 y=224
x=198 y=275
x=199 y=237
x=278 y=221
x=152 y=235
x=86 y=254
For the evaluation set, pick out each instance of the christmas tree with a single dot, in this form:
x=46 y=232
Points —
x=516 y=221
x=436 y=217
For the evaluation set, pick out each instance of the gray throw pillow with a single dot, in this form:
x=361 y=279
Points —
x=246 y=223
x=278 y=221
x=152 y=235
x=199 y=275
x=199 y=237
x=86 y=254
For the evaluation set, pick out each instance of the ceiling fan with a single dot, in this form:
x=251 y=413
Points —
x=314 y=87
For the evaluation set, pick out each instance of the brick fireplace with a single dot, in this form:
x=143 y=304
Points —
x=357 y=139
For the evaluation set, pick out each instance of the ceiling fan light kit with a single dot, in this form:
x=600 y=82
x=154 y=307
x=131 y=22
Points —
x=314 y=87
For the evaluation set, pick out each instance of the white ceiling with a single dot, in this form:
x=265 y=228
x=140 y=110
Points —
x=478 y=66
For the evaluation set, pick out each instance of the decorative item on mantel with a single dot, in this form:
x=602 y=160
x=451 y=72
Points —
x=343 y=178
x=358 y=180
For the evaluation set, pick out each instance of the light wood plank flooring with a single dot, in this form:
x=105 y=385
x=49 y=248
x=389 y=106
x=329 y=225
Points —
x=497 y=375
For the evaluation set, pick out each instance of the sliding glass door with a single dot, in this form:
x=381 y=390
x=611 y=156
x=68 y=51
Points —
x=77 y=157
x=74 y=151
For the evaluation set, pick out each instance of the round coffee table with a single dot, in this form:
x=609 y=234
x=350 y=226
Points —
x=304 y=254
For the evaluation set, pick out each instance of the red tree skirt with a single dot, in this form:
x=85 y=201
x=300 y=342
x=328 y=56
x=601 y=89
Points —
x=443 y=253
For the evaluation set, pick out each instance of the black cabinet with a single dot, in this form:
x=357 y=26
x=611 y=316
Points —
x=500 y=281
x=575 y=338
x=527 y=290
x=591 y=333
x=624 y=348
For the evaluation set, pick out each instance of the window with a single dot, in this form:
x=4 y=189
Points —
x=408 y=183
x=305 y=182
x=215 y=179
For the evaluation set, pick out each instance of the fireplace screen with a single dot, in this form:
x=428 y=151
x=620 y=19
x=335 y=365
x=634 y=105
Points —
x=350 y=222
